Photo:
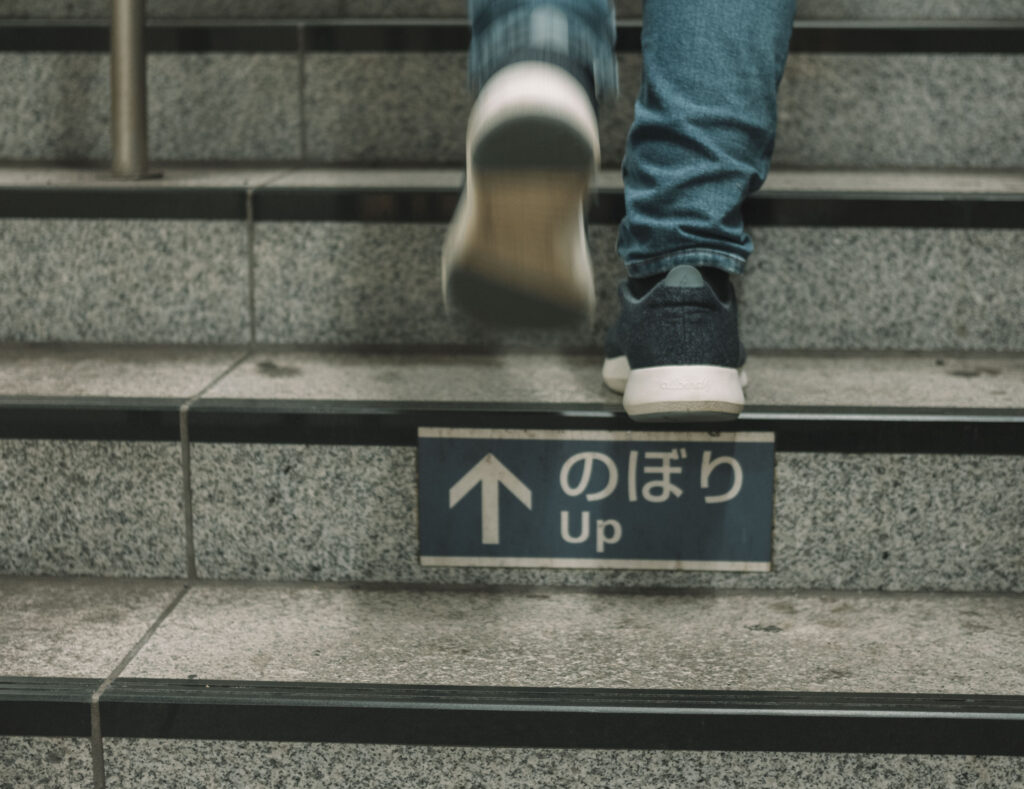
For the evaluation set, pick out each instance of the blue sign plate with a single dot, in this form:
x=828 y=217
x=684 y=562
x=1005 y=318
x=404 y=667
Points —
x=596 y=499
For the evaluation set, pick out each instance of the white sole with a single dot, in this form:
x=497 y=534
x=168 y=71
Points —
x=516 y=251
x=615 y=373
x=683 y=392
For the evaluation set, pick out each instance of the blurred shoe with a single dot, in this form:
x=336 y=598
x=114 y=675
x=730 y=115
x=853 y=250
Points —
x=516 y=251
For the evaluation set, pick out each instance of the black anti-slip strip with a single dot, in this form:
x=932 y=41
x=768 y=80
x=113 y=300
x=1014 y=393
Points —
x=451 y=35
x=885 y=210
x=90 y=418
x=766 y=208
x=796 y=430
x=144 y=200
x=45 y=707
x=396 y=424
x=564 y=718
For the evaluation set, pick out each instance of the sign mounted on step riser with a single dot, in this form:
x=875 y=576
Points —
x=596 y=499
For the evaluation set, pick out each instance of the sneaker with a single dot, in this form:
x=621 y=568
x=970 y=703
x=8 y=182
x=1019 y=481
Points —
x=516 y=251
x=677 y=345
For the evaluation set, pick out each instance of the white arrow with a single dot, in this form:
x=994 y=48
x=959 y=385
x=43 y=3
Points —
x=489 y=473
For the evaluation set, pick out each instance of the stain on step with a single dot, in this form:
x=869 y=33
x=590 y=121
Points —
x=272 y=370
x=764 y=628
x=975 y=372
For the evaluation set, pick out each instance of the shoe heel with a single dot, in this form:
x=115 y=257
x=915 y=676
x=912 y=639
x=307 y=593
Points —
x=697 y=393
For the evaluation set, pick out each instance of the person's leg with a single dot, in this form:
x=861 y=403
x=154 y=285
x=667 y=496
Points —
x=701 y=141
x=578 y=35
x=703 y=130
x=516 y=251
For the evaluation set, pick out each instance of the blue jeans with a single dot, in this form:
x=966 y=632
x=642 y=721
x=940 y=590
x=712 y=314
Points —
x=704 y=122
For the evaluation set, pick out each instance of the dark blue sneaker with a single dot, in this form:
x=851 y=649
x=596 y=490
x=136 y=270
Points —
x=682 y=350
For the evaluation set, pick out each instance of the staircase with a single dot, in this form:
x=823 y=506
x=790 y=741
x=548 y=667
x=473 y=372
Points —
x=211 y=385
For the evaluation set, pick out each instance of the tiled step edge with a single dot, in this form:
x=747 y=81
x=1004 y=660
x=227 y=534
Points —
x=798 y=429
x=439 y=35
x=518 y=717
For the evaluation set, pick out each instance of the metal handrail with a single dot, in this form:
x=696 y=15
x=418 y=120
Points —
x=128 y=90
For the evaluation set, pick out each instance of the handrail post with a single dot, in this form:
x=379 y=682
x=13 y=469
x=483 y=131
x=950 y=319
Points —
x=128 y=89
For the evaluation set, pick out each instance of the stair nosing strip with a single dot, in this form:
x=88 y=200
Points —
x=520 y=717
x=395 y=423
x=453 y=34
x=565 y=718
x=276 y=203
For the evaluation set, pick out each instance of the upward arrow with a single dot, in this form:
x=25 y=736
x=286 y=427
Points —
x=489 y=473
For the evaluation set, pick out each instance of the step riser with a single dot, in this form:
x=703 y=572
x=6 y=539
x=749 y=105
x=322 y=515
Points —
x=153 y=281
x=99 y=508
x=51 y=761
x=854 y=522
x=876 y=110
x=806 y=9
x=145 y=763
x=67 y=761
x=845 y=522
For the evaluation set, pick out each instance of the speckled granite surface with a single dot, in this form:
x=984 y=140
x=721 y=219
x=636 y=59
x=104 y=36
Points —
x=380 y=283
x=815 y=642
x=809 y=9
x=72 y=176
x=123 y=281
x=45 y=761
x=91 y=508
x=857 y=380
x=835 y=110
x=224 y=106
x=56 y=106
x=825 y=288
x=75 y=627
x=838 y=110
x=110 y=371
x=159 y=763
x=99 y=176
x=910 y=9
x=891 y=288
x=840 y=180
x=422 y=125
x=219 y=106
x=386 y=107
x=859 y=522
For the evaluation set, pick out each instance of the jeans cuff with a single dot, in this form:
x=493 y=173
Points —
x=662 y=264
x=550 y=34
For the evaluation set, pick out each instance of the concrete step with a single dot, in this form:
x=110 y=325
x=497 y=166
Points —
x=845 y=260
x=156 y=684
x=229 y=94
x=893 y=471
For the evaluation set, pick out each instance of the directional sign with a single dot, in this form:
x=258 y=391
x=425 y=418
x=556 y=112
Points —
x=489 y=473
x=596 y=499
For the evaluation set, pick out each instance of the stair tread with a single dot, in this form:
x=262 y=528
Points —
x=553 y=638
x=789 y=180
x=75 y=627
x=923 y=381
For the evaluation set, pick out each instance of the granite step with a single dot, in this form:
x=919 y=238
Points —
x=319 y=684
x=893 y=471
x=308 y=91
x=844 y=260
x=314 y=9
